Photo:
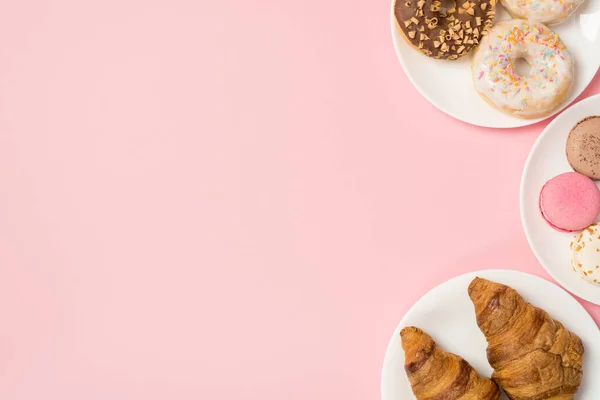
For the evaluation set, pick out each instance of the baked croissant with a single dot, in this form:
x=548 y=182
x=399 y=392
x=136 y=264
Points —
x=437 y=375
x=534 y=357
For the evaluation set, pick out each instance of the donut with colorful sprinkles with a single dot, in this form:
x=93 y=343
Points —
x=548 y=12
x=444 y=34
x=535 y=94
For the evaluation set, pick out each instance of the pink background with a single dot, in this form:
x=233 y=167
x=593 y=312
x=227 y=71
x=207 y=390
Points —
x=217 y=200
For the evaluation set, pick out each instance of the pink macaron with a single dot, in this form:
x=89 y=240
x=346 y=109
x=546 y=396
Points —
x=570 y=202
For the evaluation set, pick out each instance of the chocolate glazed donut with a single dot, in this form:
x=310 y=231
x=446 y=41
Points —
x=444 y=34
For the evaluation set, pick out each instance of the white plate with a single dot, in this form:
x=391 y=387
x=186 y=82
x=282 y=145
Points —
x=546 y=160
x=453 y=93
x=447 y=314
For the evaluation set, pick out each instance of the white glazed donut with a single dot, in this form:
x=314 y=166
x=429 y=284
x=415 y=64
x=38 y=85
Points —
x=496 y=80
x=549 y=12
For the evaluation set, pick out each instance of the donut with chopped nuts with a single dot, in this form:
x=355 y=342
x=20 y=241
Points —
x=444 y=34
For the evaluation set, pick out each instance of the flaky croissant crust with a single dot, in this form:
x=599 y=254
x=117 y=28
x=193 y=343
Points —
x=435 y=374
x=534 y=357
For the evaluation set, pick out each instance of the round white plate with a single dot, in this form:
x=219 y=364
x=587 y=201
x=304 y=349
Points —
x=452 y=89
x=546 y=160
x=447 y=314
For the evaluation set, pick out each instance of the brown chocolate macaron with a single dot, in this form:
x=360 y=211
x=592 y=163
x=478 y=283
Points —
x=583 y=147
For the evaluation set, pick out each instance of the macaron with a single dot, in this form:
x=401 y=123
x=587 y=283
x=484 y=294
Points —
x=583 y=147
x=570 y=202
x=585 y=254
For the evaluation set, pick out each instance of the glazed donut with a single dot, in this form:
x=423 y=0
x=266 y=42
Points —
x=550 y=77
x=548 y=12
x=444 y=34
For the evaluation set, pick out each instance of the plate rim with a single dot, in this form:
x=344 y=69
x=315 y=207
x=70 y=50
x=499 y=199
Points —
x=522 y=204
x=472 y=273
x=519 y=123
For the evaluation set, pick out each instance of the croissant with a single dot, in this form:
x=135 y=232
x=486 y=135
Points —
x=534 y=357
x=437 y=375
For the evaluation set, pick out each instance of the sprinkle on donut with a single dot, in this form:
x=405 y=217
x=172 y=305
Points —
x=545 y=86
x=444 y=34
x=553 y=48
x=548 y=12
